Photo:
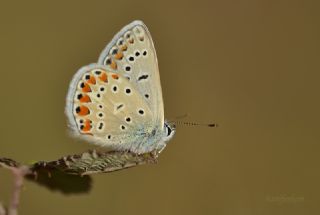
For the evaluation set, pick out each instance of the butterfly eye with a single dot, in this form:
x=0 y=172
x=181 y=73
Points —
x=168 y=130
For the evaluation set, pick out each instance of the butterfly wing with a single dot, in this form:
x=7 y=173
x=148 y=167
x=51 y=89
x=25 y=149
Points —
x=131 y=53
x=106 y=109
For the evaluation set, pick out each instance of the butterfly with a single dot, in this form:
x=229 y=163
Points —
x=117 y=102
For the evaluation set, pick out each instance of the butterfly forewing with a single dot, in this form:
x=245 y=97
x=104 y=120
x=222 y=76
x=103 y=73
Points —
x=131 y=54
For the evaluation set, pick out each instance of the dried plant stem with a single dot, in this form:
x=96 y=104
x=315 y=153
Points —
x=18 y=174
x=70 y=170
x=2 y=210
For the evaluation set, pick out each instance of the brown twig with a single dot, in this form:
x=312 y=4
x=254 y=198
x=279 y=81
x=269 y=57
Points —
x=70 y=170
x=2 y=210
x=18 y=175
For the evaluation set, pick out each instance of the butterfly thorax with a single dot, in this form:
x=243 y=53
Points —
x=152 y=138
x=149 y=139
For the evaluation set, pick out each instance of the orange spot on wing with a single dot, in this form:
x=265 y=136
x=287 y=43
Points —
x=86 y=88
x=92 y=80
x=115 y=76
x=124 y=48
x=119 y=56
x=113 y=65
x=83 y=110
x=103 y=77
x=87 y=126
x=85 y=99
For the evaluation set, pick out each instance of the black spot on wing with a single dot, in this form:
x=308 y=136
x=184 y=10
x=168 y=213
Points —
x=143 y=77
x=119 y=106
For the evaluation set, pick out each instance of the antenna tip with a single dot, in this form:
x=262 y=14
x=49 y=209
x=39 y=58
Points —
x=213 y=125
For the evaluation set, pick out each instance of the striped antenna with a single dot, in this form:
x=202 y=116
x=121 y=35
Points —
x=196 y=124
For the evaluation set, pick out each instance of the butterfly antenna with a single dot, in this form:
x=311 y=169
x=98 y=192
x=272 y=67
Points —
x=177 y=122
x=196 y=124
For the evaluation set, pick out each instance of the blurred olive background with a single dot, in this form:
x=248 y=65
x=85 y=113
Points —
x=251 y=66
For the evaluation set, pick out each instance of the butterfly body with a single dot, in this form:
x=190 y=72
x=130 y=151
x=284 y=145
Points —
x=117 y=103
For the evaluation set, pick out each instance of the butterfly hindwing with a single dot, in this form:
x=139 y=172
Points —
x=105 y=108
x=131 y=53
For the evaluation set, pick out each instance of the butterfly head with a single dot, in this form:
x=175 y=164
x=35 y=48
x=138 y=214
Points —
x=169 y=131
